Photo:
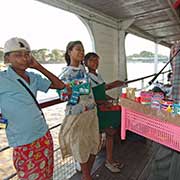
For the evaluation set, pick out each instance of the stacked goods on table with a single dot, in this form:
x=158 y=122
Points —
x=155 y=100
x=145 y=97
x=147 y=110
x=166 y=105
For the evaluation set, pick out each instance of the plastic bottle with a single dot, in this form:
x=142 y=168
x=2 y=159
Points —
x=123 y=95
x=64 y=94
x=137 y=97
x=176 y=108
x=75 y=96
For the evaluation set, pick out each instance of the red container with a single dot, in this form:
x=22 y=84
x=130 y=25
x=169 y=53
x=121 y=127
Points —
x=112 y=108
x=138 y=99
x=124 y=95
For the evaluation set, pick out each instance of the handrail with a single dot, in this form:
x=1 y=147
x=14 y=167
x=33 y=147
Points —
x=11 y=176
x=50 y=102
x=145 y=77
x=142 y=78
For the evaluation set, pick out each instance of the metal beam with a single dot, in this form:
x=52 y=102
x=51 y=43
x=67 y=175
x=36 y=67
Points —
x=142 y=15
x=169 y=36
x=155 y=28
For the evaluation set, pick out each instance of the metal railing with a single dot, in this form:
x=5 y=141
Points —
x=142 y=79
x=70 y=162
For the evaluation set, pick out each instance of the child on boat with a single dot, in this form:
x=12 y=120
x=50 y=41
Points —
x=109 y=121
x=79 y=133
x=27 y=131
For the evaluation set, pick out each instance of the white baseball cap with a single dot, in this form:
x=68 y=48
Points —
x=16 y=44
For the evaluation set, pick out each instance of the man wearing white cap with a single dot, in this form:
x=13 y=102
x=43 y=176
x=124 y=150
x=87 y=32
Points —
x=27 y=131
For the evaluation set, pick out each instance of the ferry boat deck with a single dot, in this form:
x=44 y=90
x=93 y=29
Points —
x=108 y=22
x=135 y=153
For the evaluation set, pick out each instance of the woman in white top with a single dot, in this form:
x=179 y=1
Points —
x=79 y=133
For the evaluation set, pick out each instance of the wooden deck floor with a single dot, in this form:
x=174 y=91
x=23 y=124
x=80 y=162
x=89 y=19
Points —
x=135 y=154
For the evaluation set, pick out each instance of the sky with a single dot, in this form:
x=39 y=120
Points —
x=44 y=26
x=136 y=44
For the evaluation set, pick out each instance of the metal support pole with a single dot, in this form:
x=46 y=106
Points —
x=156 y=58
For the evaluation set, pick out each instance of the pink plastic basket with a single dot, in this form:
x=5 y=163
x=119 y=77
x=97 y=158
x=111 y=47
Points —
x=155 y=129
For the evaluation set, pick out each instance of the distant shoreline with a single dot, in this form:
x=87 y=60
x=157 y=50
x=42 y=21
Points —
x=131 y=61
x=141 y=61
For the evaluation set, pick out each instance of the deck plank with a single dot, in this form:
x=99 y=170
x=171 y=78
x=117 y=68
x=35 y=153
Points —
x=136 y=155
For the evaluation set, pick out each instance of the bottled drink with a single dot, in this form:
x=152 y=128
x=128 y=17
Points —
x=137 y=97
x=176 y=109
x=75 y=96
x=123 y=95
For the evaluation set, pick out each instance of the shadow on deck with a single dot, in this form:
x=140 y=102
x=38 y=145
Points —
x=135 y=154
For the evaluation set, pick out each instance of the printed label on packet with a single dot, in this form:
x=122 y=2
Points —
x=3 y=123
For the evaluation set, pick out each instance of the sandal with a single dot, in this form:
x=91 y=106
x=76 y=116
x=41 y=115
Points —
x=112 y=168
x=118 y=164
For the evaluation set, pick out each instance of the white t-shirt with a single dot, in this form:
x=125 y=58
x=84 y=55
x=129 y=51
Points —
x=95 y=80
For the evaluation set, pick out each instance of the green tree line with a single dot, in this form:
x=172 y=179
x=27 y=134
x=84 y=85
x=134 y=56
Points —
x=44 y=55
x=57 y=56
x=146 y=56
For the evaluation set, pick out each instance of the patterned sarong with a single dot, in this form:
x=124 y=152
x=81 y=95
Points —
x=35 y=161
x=79 y=136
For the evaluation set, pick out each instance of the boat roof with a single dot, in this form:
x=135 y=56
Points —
x=156 y=20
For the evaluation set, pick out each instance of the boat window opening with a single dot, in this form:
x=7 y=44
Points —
x=140 y=58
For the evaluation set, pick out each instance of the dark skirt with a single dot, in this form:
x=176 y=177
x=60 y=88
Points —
x=109 y=119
